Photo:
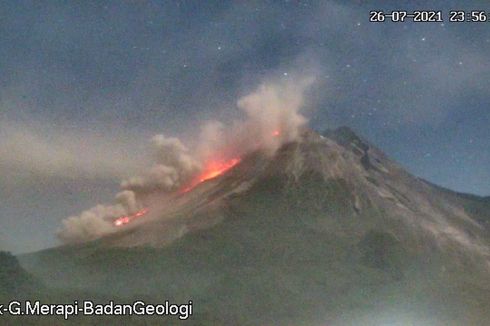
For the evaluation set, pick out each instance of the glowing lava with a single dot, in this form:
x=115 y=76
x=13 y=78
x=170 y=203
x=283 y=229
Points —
x=276 y=133
x=212 y=170
x=217 y=168
x=120 y=221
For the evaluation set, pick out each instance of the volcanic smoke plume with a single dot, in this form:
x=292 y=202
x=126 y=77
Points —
x=173 y=166
x=272 y=119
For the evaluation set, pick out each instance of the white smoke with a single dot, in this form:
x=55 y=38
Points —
x=274 y=107
x=211 y=138
x=97 y=221
x=272 y=119
x=127 y=199
x=174 y=165
x=89 y=225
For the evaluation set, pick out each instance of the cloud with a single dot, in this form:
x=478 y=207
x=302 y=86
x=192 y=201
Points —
x=435 y=82
x=44 y=150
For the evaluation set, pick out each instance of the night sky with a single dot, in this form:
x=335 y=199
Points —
x=84 y=85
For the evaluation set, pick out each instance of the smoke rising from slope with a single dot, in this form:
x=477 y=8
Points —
x=91 y=224
x=274 y=110
x=173 y=166
x=272 y=119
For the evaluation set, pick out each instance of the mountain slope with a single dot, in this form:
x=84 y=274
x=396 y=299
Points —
x=14 y=280
x=329 y=230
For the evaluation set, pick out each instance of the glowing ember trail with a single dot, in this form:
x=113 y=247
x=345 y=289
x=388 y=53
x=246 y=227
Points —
x=212 y=170
x=217 y=168
x=120 y=221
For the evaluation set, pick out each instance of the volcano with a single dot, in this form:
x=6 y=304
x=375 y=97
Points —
x=327 y=231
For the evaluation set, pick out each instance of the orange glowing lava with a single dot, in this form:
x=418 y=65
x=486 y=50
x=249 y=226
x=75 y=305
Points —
x=217 y=168
x=212 y=170
x=276 y=133
x=120 y=221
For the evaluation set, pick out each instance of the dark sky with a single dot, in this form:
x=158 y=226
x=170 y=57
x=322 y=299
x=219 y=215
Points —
x=84 y=84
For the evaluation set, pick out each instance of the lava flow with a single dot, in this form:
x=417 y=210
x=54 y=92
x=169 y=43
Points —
x=212 y=170
x=120 y=221
x=217 y=168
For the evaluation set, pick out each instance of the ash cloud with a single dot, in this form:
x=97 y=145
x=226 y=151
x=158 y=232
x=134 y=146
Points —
x=274 y=108
x=89 y=225
x=174 y=165
x=272 y=118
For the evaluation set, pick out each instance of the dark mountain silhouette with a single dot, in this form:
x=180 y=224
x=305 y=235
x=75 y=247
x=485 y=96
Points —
x=14 y=280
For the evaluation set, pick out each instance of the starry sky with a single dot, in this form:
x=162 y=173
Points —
x=84 y=85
